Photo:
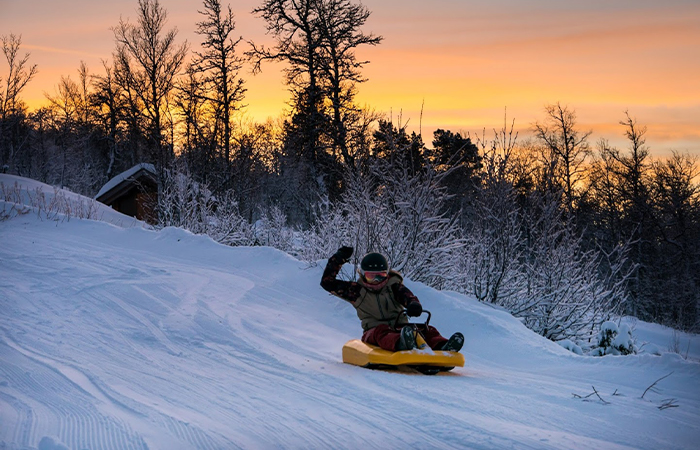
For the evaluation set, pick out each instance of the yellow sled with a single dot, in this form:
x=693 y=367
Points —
x=422 y=358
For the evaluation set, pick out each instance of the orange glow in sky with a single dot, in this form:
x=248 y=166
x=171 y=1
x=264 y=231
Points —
x=451 y=64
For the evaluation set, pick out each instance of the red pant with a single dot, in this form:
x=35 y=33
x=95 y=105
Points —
x=387 y=338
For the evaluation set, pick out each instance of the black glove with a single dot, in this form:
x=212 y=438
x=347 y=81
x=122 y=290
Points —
x=414 y=309
x=344 y=253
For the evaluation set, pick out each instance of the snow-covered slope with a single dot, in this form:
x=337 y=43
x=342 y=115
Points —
x=121 y=338
x=55 y=203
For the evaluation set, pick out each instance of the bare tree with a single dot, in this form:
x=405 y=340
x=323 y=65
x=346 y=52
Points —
x=620 y=202
x=67 y=105
x=220 y=65
x=565 y=150
x=316 y=40
x=489 y=266
x=19 y=74
x=84 y=84
x=294 y=26
x=148 y=60
x=605 y=179
x=12 y=114
x=339 y=27
x=199 y=124
x=108 y=101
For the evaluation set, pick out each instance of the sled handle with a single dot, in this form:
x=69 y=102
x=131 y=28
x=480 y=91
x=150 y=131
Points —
x=396 y=324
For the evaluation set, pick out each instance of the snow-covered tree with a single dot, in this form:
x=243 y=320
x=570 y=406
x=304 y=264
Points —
x=419 y=238
x=182 y=202
x=493 y=248
x=488 y=264
x=566 y=297
x=272 y=230
x=329 y=231
x=524 y=255
x=614 y=340
x=401 y=214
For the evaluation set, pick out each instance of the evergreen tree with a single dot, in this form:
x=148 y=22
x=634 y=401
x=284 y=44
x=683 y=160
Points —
x=457 y=154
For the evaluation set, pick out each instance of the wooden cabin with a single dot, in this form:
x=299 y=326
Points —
x=133 y=192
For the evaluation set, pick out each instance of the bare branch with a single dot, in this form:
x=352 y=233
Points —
x=601 y=398
x=654 y=384
x=668 y=403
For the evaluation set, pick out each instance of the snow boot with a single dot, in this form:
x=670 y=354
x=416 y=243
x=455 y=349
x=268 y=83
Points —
x=454 y=344
x=407 y=341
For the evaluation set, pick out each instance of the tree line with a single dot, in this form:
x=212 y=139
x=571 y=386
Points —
x=561 y=231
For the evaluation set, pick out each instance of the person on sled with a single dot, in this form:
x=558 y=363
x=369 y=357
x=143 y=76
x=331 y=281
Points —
x=379 y=298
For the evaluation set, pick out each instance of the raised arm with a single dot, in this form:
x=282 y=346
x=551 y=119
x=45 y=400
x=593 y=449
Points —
x=347 y=290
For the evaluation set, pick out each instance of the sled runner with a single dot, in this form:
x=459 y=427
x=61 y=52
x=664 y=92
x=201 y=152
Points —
x=421 y=358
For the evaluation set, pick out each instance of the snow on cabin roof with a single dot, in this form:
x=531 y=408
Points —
x=123 y=176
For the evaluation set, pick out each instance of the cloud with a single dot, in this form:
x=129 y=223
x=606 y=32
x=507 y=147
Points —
x=65 y=51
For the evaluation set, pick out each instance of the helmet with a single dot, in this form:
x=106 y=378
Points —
x=374 y=268
x=374 y=262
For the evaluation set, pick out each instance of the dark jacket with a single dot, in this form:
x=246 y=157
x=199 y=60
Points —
x=373 y=307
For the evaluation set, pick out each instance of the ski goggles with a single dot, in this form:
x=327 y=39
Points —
x=375 y=277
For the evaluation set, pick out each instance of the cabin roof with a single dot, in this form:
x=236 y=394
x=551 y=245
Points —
x=126 y=180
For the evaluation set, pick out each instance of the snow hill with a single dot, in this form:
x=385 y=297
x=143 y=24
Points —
x=128 y=338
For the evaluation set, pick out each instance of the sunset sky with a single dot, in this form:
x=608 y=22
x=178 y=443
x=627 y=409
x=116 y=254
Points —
x=463 y=62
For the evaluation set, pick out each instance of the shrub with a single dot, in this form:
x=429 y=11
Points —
x=614 y=340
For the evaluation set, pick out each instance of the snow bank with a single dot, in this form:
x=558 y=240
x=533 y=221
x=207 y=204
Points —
x=19 y=196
